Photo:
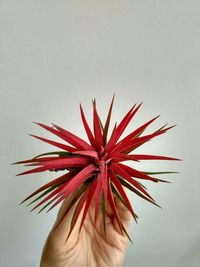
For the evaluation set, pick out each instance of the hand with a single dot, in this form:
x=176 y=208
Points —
x=89 y=248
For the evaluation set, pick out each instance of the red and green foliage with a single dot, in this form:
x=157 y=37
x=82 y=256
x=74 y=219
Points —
x=95 y=170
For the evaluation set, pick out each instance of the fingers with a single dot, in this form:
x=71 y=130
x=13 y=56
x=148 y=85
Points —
x=124 y=216
x=123 y=212
x=62 y=209
x=61 y=229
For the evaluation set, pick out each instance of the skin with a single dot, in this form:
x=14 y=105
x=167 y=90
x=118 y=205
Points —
x=87 y=248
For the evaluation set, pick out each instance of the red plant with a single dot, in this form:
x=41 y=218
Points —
x=95 y=170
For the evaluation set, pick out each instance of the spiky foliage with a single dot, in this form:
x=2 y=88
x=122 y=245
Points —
x=95 y=170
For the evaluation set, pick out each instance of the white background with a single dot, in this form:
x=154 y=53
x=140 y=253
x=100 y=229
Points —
x=56 y=54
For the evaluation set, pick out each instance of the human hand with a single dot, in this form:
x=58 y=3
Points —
x=87 y=248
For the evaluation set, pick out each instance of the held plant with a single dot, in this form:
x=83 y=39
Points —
x=95 y=170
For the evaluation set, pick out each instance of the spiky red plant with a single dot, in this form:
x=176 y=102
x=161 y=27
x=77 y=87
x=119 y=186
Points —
x=95 y=170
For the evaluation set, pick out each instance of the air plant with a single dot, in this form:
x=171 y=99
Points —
x=95 y=170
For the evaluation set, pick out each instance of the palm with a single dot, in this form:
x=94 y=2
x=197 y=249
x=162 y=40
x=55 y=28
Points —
x=89 y=248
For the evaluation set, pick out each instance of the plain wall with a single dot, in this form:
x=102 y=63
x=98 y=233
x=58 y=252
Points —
x=56 y=54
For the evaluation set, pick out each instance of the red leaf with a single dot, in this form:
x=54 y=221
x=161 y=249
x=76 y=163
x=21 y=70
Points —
x=39 y=169
x=118 y=157
x=139 y=141
x=92 y=189
x=98 y=195
x=137 y=192
x=97 y=127
x=73 y=139
x=122 y=192
x=77 y=180
x=53 y=143
x=83 y=175
x=92 y=154
x=57 y=164
x=67 y=162
x=54 y=193
x=117 y=169
x=124 y=123
x=132 y=135
x=114 y=209
x=56 y=132
x=68 y=138
x=36 y=160
x=112 y=139
x=71 y=201
x=105 y=133
x=87 y=128
x=138 y=174
x=77 y=212
x=149 y=157
x=104 y=177
x=60 y=199
x=62 y=178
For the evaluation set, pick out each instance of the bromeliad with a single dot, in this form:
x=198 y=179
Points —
x=95 y=170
